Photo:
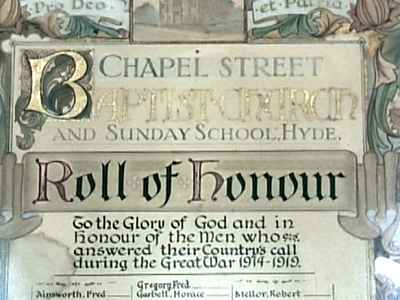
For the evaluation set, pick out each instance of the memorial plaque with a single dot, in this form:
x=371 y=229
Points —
x=199 y=149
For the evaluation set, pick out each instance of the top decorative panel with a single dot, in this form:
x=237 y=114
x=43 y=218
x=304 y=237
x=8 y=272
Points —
x=163 y=21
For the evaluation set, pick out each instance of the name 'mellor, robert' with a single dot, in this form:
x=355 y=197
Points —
x=158 y=188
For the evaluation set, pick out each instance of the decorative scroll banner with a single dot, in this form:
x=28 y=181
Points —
x=113 y=8
x=79 y=18
x=212 y=181
x=264 y=9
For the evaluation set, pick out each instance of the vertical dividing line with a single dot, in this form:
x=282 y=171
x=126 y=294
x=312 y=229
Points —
x=4 y=257
x=131 y=292
x=231 y=291
x=333 y=291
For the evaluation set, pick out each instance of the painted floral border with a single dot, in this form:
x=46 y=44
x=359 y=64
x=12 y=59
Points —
x=377 y=21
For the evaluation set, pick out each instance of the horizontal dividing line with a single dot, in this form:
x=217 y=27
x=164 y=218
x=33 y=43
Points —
x=186 y=274
x=210 y=288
